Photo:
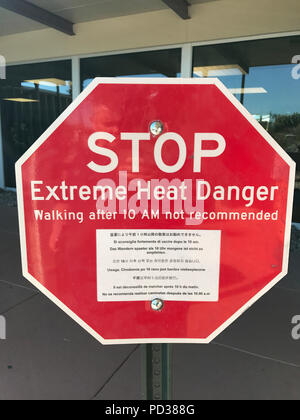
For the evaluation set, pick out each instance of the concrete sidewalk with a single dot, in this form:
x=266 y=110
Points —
x=48 y=356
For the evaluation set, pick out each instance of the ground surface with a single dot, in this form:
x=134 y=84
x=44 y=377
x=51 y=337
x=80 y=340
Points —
x=48 y=356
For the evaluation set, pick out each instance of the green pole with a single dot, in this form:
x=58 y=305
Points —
x=157 y=372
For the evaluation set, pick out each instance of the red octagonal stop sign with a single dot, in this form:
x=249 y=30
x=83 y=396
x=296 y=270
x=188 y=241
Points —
x=155 y=210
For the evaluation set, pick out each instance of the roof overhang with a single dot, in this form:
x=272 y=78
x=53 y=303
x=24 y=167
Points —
x=31 y=11
x=180 y=7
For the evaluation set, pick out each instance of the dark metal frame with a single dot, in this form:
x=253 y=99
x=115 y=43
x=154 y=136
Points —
x=29 y=10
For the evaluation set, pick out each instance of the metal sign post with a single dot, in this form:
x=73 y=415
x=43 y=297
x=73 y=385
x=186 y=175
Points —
x=157 y=372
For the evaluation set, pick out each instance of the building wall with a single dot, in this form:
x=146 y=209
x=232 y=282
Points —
x=220 y=19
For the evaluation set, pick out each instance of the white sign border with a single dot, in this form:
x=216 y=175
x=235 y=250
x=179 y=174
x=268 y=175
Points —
x=93 y=85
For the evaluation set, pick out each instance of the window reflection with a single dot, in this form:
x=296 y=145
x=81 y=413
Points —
x=261 y=74
x=31 y=98
x=162 y=63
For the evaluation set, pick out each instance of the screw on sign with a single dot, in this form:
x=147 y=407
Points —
x=155 y=210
